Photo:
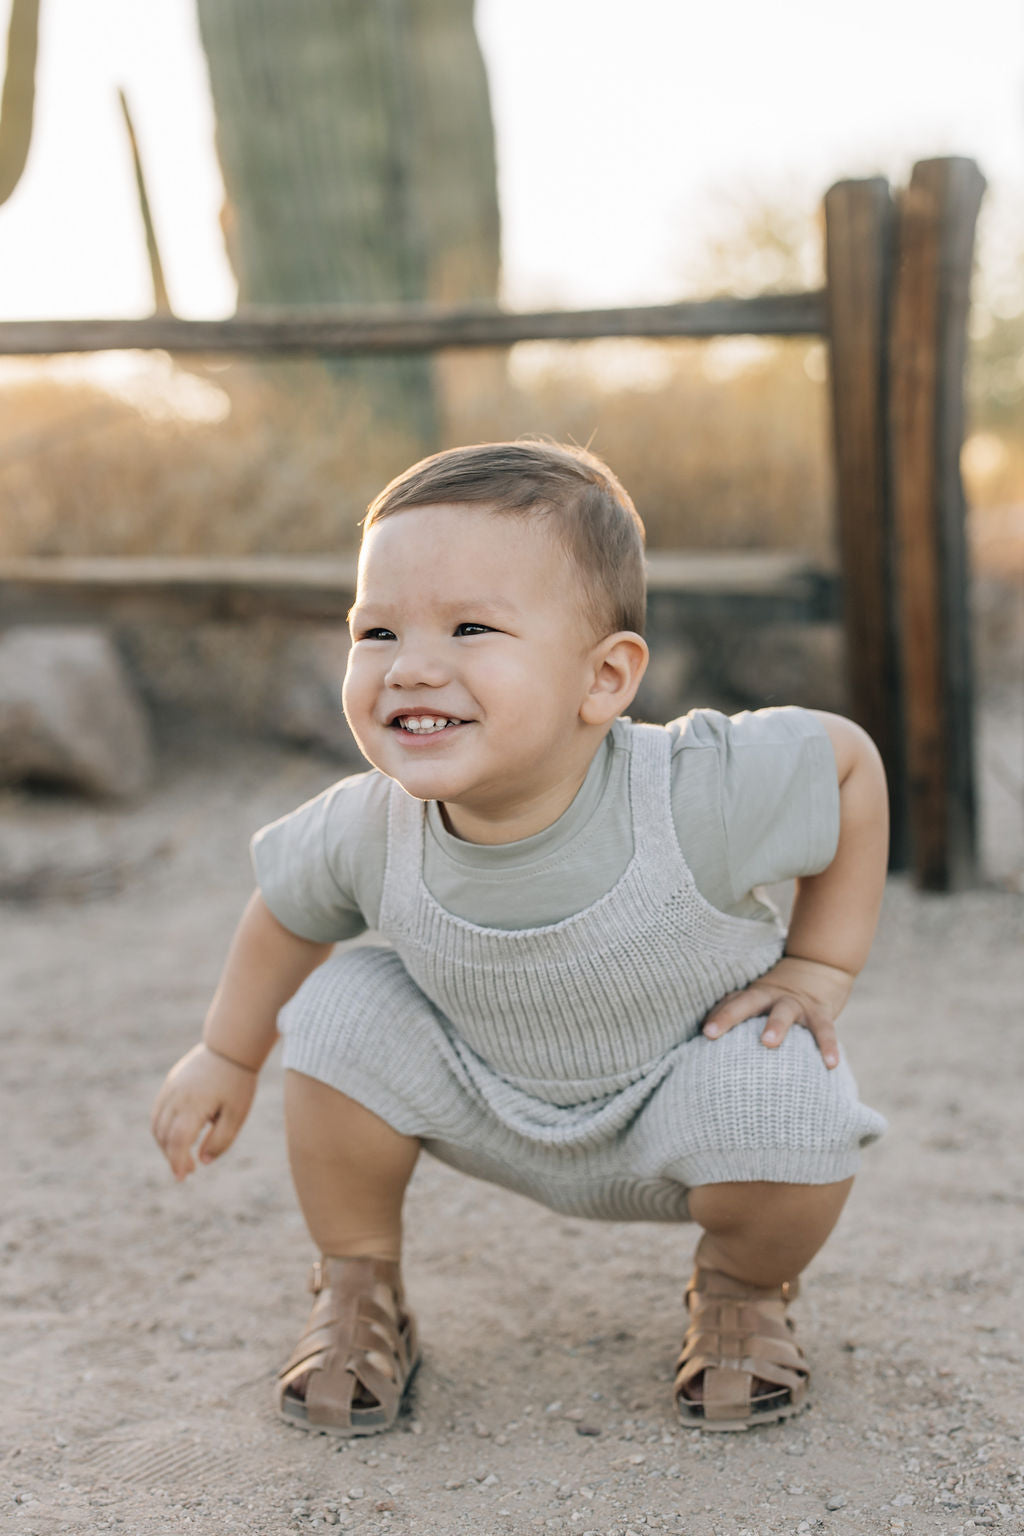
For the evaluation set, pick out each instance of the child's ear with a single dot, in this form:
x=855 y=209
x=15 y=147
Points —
x=617 y=664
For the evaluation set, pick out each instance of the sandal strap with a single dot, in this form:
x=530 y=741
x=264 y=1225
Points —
x=359 y=1334
x=738 y=1334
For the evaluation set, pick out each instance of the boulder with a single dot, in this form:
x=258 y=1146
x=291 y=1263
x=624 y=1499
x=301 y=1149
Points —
x=69 y=714
x=303 y=701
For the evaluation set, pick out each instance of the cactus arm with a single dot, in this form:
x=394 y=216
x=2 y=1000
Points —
x=17 y=103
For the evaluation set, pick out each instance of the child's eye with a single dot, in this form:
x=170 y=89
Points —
x=376 y=634
x=473 y=629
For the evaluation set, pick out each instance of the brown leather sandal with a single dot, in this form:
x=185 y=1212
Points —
x=739 y=1354
x=352 y=1367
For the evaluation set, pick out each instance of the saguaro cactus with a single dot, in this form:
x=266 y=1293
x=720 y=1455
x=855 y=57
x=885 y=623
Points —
x=357 y=151
x=17 y=104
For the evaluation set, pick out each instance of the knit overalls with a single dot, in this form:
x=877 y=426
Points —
x=566 y=1062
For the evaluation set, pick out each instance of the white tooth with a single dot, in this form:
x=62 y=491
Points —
x=425 y=724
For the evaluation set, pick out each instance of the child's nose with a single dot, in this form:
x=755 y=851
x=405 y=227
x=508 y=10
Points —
x=416 y=664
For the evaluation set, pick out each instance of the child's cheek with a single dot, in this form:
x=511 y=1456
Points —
x=357 y=696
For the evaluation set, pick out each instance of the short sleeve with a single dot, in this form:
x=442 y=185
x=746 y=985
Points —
x=755 y=799
x=320 y=869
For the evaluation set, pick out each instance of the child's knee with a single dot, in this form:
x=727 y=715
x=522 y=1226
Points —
x=749 y=1095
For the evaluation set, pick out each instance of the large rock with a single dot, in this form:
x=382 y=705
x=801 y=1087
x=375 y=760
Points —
x=274 y=677
x=68 y=713
x=303 y=702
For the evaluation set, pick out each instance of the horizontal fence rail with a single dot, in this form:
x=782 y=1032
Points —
x=337 y=331
x=767 y=586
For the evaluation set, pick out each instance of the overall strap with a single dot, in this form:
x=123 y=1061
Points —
x=403 y=867
x=655 y=839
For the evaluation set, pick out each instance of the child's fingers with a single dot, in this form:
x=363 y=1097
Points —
x=734 y=1009
x=787 y=1012
x=175 y=1136
x=823 y=1030
x=222 y=1132
x=784 y=1014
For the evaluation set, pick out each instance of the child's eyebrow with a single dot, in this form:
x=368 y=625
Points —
x=460 y=605
x=480 y=604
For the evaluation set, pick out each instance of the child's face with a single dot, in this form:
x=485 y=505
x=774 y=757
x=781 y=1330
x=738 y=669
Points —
x=469 y=665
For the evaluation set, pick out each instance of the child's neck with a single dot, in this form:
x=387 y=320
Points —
x=512 y=822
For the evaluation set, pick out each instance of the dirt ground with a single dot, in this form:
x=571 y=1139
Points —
x=142 y=1321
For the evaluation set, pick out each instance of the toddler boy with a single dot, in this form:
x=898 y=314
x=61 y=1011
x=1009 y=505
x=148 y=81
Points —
x=576 y=990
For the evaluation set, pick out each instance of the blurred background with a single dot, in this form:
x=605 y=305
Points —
x=562 y=153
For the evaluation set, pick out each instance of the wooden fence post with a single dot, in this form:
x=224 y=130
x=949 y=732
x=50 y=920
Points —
x=859 y=231
x=937 y=217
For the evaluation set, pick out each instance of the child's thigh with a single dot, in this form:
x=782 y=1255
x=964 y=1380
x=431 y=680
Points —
x=739 y=1110
x=352 y=991
x=360 y=1005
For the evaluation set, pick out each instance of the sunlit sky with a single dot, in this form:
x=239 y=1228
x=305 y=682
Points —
x=622 y=132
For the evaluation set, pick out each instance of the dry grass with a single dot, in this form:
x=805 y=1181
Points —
x=721 y=445
x=710 y=462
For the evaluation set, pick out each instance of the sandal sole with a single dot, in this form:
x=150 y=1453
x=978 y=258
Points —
x=349 y=1431
x=733 y=1426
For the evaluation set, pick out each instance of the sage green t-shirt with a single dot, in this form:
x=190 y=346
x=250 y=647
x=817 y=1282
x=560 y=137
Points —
x=755 y=800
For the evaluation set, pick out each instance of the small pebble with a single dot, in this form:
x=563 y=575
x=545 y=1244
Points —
x=552 y=1407
x=482 y=1431
x=452 y=1484
x=587 y=1429
x=384 y=1506
x=835 y=1501
x=488 y=1481
x=355 y=1493
x=573 y=1415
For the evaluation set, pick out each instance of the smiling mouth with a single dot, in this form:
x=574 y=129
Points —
x=424 y=725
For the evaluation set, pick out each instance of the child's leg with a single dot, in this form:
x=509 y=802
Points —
x=350 y=1370
x=739 y=1361
x=350 y=1170
x=765 y=1233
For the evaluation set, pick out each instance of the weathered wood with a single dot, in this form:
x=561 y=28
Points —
x=762 y=586
x=337 y=331
x=859 y=232
x=937 y=216
x=126 y=589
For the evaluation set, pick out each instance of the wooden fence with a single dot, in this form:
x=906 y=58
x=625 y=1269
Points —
x=894 y=316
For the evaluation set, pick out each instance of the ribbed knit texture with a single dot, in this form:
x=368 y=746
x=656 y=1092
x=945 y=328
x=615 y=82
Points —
x=566 y=1062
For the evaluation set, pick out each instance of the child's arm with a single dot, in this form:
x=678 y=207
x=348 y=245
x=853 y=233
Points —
x=834 y=914
x=213 y=1085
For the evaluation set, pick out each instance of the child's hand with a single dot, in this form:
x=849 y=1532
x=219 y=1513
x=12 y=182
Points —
x=806 y=992
x=203 y=1089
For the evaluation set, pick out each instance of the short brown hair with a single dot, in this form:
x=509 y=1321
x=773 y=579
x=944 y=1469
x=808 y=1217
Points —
x=590 y=512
